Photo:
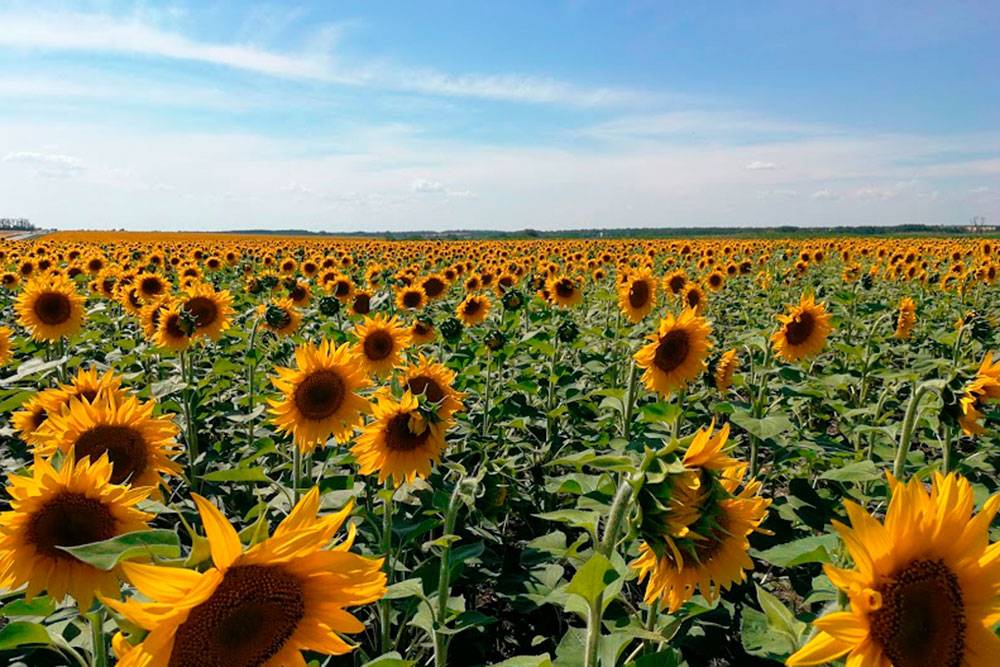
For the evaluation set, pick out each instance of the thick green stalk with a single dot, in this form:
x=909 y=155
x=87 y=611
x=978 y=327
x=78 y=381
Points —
x=191 y=429
x=385 y=606
x=629 y=400
x=96 y=619
x=486 y=396
x=444 y=576
x=863 y=393
x=909 y=420
x=251 y=379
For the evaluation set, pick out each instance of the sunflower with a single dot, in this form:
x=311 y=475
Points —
x=564 y=291
x=401 y=443
x=923 y=587
x=209 y=309
x=713 y=552
x=675 y=282
x=50 y=308
x=716 y=280
x=724 y=370
x=5 y=352
x=435 y=382
x=473 y=309
x=411 y=298
x=260 y=607
x=319 y=395
x=280 y=317
x=637 y=295
x=380 y=344
x=175 y=328
x=149 y=316
x=74 y=505
x=86 y=386
x=29 y=420
x=151 y=287
x=422 y=332
x=139 y=445
x=984 y=388
x=361 y=302
x=676 y=352
x=694 y=297
x=803 y=330
x=434 y=286
x=907 y=318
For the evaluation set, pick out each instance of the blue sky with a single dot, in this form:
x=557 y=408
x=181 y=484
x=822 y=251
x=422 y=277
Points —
x=445 y=115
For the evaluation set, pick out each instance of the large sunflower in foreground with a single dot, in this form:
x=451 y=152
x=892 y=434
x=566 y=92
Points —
x=320 y=395
x=637 y=295
x=74 y=505
x=676 y=352
x=435 y=382
x=924 y=587
x=803 y=330
x=381 y=341
x=50 y=308
x=139 y=445
x=261 y=607
x=401 y=443
x=209 y=309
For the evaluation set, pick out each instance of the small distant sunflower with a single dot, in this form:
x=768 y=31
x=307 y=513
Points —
x=803 y=330
x=74 y=505
x=564 y=291
x=139 y=445
x=675 y=282
x=637 y=295
x=320 y=395
x=401 y=443
x=381 y=341
x=984 y=388
x=422 y=332
x=5 y=345
x=473 y=309
x=210 y=309
x=907 y=318
x=280 y=317
x=676 y=352
x=175 y=328
x=716 y=280
x=50 y=308
x=724 y=370
x=29 y=420
x=411 y=298
x=434 y=286
x=361 y=302
x=263 y=606
x=151 y=287
x=923 y=587
x=435 y=382
x=694 y=297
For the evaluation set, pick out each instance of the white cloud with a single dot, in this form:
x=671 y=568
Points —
x=102 y=33
x=424 y=186
x=824 y=195
x=51 y=165
x=758 y=165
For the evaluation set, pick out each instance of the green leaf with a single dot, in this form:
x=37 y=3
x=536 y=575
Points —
x=404 y=589
x=768 y=427
x=237 y=475
x=107 y=554
x=41 y=606
x=778 y=615
x=22 y=633
x=589 y=581
x=817 y=549
x=526 y=661
x=862 y=471
x=390 y=659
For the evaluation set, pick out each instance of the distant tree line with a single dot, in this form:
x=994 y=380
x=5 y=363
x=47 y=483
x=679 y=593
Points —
x=18 y=224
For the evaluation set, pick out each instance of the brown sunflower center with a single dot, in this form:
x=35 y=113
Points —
x=320 y=394
x=378 y=345
x=362 y=304
x=677 y=283
x=399 y=437
x=433 y=287
x=921 y=622
x=53 y=308
x=426 y=385
x=173 y=327
x=564 y=288
x=126 y=448
x=693 y=299
x=799 y=329
x=411 y=299
x=638 y=294
x=203 y=310
x=471 y=307
x=247 y=620
x=342 y=288
x=68 y=520
x=672 y=350
x=151 y=286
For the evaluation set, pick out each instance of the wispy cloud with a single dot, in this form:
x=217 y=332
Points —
x=53 y=165
x=759 y=165
x=102 y=33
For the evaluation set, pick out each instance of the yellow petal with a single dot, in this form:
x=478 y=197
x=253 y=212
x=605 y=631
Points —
x=844 y=626
x=222 y=537
x=822 y=649
x=163 y=584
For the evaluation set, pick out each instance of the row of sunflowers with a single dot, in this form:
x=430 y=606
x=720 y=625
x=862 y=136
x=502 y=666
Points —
x=233 y=450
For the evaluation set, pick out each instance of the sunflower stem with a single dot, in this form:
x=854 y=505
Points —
x=100 y=655
x=251 y=378
x=187 y=404
x=946 y=449
x=629 y=400
x=909 y=420
x=296 y=473
x=385 y=606
x=863 y=392
x=444 y=576
x=486 y=396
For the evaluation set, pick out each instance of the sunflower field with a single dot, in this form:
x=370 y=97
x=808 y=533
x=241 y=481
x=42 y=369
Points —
x=235 y=450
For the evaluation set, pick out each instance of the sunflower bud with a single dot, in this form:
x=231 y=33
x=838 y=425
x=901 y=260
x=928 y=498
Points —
x=495 y=340
x=451 y=329
x=513 y=300
x=329 y=305
x=276 y=316
x=568 y=331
